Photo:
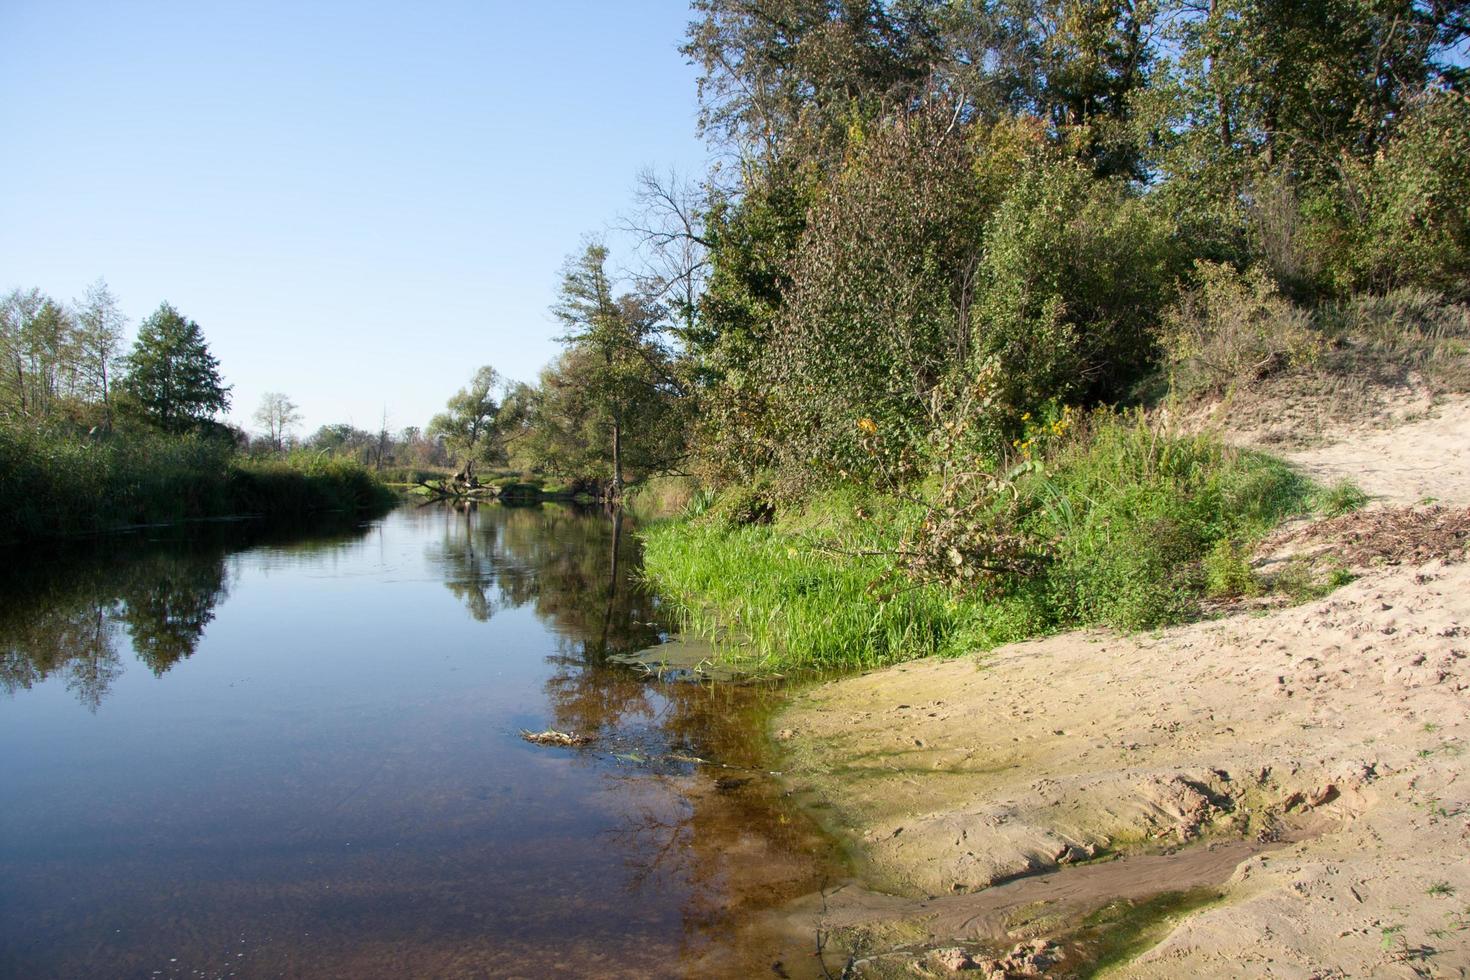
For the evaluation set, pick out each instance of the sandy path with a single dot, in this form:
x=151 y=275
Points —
x=1424 y=459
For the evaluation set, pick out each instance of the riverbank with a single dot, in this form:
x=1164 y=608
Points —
x=59 y=485
x=1295 y=771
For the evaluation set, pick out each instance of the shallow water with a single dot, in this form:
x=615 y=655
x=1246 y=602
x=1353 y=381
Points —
x=232 y=752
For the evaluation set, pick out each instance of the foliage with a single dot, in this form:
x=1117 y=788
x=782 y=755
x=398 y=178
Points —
x=877 y=297
x=1129 y=518
x=1075 y=273
x=471 y=422
x=1133 y=510
x=173 y=382
x=303 y=484
x=1228 y=573
x=1233 y=329
x=58 y=482
x=741 y=505
x=609 y=408
x=1417 y=231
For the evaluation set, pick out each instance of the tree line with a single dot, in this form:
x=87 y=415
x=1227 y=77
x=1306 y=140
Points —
x=65 y=363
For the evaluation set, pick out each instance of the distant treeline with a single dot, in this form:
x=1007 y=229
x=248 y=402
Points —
x=92 y=439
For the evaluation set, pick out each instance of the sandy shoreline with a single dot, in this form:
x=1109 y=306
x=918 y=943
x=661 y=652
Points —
x=1340 y=724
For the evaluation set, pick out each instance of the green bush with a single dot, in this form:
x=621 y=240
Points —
x=1232 y=329
x=1418 y=228
x=873 y=306
x=740 y=505
x=1142 y=510
x=1075 y=272
x=1138 y=525
x=1341 y=498
x=1228 y=573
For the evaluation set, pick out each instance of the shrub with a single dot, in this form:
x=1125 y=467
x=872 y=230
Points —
x=1232 y=329
x=1135 y=511
x=1418 y=232
x=741 y=505
x=1075 y=272
x=873 y=320
x=59 y=482
x=1133 y=526
x=1340 y=498
x=1228 y=574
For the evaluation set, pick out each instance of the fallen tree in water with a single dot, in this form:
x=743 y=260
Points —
x=463 y=485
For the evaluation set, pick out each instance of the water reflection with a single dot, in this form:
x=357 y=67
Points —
x=570 y=564
x=62 y=606
x=325 y=779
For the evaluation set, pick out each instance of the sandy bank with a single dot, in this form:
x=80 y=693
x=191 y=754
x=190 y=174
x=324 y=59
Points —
x=1341 y=724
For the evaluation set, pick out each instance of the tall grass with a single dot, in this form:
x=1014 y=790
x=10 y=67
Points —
x=1129 y=516
x=771 y=597
x=60 y=483
x=305 y=484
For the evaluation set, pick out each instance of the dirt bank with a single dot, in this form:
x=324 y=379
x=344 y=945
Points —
x=1340 y=724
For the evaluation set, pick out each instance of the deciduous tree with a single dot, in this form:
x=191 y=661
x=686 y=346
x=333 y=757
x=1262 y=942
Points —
x=277 y=414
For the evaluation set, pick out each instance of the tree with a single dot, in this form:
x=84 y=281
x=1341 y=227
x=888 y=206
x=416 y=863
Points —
x=173 y=381
x=468 y=426
x=616 y=377
x=99 y=336
x=277 y=414
x=37 y=341
x=17 y=312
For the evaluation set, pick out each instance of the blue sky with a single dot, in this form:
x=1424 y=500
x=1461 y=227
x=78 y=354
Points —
x=360 y=203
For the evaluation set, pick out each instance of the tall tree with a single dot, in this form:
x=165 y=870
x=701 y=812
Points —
x=173 y=381
x=277 y=414
x=99 y=339
x=38 y=343
x=616 y=369
x=468 y=425
x=18 y=310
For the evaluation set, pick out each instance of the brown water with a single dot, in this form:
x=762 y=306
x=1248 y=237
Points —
x=236 y=753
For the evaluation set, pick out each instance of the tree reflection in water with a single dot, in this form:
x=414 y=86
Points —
x=722 y=835
x=63 y=607
x=698 y=850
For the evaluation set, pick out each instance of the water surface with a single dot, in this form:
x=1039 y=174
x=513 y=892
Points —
x=236 y=752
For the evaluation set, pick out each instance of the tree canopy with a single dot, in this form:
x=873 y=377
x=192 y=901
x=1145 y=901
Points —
x=172 y=380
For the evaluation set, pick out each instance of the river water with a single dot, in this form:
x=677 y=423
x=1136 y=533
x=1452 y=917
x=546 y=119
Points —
x=235 y=751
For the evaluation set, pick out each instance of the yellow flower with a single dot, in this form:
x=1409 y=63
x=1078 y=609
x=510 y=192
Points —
x=868 y=426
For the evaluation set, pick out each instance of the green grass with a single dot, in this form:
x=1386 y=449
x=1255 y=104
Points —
x=1139 y=527
x=788 y=606
x=1341 y=498
x=59 y=483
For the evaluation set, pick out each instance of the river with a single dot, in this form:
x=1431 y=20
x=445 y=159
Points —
x=240 y=751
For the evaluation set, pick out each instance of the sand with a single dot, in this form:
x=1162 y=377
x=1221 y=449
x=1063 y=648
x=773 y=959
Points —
x=1307 y=762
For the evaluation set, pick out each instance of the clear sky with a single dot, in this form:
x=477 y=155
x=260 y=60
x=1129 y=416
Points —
x=360 y=203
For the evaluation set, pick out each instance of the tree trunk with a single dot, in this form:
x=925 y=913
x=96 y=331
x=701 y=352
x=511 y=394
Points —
x=617 y=461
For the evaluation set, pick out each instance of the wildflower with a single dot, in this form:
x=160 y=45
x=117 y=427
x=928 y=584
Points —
x=868 y=426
